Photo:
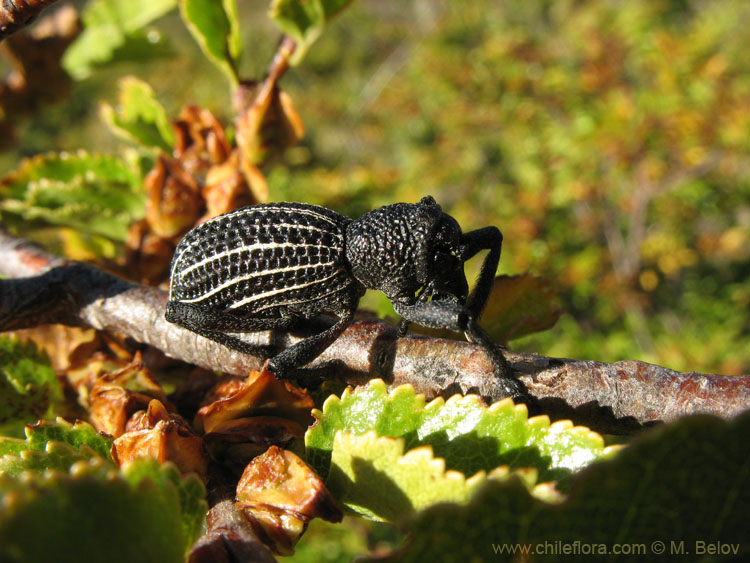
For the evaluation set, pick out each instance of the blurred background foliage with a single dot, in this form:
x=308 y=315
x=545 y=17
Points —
x=609 y=141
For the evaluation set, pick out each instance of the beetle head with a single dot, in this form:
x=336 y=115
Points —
x=448 y=280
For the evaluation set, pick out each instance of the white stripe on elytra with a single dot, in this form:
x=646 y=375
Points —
x=240 y=249
x=296 y=301
x=252 y=298
x=258 y=274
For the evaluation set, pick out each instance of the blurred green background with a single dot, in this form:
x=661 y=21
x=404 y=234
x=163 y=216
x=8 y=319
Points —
x=609 y=141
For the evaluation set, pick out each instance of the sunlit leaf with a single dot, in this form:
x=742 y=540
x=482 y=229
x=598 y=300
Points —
x=374 y=477
x=76 y=435
x=28 y=384
x=107 y=23
x=684 y=486
x=55 y=455
x=139 y=116
x=95 y=513
x=214 y=26
x=304 y=20
x=469 y=435
x=96 y=194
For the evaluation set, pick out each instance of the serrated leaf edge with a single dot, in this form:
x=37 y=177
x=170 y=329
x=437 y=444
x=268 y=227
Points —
x=424 y=454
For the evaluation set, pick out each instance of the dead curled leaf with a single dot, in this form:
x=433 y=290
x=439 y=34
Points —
x=242 y=417
x=163 y=436
x=200 y=140
x=279 y=495
x=147 y=255
x=257 y=395
x=173 y=203
x=64 y=345
x=116 y=396
x=226 y=188
x=268 y=123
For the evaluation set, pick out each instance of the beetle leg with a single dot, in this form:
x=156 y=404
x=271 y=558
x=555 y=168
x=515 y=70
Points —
x=213 y=325
x=310 y=348
x=445 y=314
x=488 y=238
x=421 y=297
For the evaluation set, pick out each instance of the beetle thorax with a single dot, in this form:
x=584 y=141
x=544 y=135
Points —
x=385 y=247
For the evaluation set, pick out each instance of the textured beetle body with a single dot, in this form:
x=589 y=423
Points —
x=266 y=266
x=273 y=261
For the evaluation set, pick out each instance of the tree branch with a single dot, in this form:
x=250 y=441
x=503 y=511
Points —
x=615 y=398
x=17 y=14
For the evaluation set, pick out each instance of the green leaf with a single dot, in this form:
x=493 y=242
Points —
x=684 y=482
x=97 y=514
x=519 y=306
x=96 y=194
x=191 y=493
x=28 y=384
x=56 y=455
x=194 y=508
x=76 y=435
x=139 y=116
x=469 y=435
x=373 y=477
x=304 y=21
x=215 y=27
x=234 y=40
x=107 y=23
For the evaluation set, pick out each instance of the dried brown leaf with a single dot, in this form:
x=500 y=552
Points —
x=173 y=202
x=260 y=394
x=116 y=396
x=279 y=494
x=226 y=188
x=200 y=140
x=163 y=436
x=147 y=256
x=65 y=346
x=520 y=305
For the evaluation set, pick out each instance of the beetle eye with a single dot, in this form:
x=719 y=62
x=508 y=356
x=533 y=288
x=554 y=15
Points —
x=444 y=261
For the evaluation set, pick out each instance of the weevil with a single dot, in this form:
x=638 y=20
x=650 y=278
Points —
x=268 y=266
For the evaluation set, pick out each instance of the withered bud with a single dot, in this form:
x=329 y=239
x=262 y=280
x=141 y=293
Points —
x=200 y=139
x=116 y=396
x=147 y=256
x=112 y=406
x=135 y=377
x=269 y=125
x=148 y=419
x=173 y=202
x=226 y=188
x=163 y=436
x=279 y=494
x=260 y=394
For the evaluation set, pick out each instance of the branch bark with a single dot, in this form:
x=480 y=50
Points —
x=612 y=398
x=17 y=14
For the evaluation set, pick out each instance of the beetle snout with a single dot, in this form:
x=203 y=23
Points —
x=452 y=288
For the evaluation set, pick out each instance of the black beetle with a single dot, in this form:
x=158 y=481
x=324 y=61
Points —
x=267 y=266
